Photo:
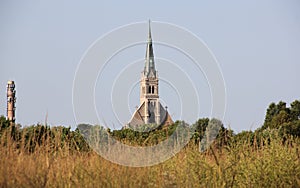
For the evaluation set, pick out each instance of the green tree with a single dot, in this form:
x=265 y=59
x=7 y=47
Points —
x=200 y=127
x=272 y=111
x=295 y=110
x=4 y=124
x=284 y=119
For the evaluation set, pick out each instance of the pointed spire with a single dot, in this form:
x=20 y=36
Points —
x=149 y=70
x=149 y=31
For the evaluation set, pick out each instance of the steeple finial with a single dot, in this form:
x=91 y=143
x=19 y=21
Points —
x=149 y=32
x=149 y=70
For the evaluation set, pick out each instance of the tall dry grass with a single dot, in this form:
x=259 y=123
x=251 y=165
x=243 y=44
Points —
x=54 y=164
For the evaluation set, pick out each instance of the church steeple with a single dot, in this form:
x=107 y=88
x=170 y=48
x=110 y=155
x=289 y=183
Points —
x=149 y=70
x=150 y=109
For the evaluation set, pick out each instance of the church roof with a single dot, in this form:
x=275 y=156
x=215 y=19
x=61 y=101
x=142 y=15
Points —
x=138 y=116
x=149 y=69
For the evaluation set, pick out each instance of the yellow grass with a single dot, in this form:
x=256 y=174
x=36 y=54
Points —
x=241 y=165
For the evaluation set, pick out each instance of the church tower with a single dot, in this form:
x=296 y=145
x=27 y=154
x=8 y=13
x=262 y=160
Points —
x=150 y=110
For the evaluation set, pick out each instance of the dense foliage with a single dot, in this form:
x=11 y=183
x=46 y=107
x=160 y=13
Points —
x=283 y=118
x=35 y=136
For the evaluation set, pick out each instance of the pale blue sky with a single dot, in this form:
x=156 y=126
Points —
x=257 y=44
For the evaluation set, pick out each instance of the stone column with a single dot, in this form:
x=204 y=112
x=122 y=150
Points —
x=146 y=112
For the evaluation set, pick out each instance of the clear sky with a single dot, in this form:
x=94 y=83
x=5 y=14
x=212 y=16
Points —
x=256 y=43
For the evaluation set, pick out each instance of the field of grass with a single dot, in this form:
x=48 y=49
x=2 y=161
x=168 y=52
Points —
x=55 y=164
